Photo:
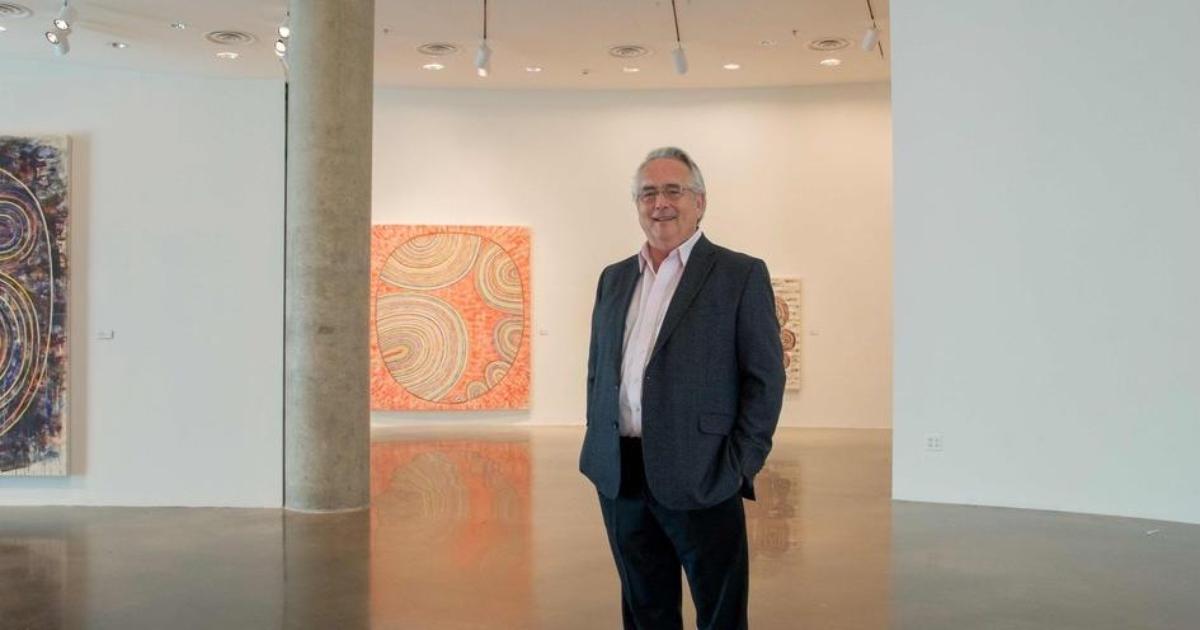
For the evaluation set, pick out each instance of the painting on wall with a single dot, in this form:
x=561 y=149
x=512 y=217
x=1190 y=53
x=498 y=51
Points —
x=787 y=310
x=34 y=183
x=450 y=317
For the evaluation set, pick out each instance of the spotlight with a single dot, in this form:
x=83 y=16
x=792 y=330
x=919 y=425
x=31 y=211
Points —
x=870 y=38
x=280 y=47
x=60 y=42
x=65 y=19
x=284 y=31
x=483 y=57
x=681 y=65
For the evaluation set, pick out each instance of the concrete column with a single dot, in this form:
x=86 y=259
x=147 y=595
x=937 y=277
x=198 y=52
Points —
x=326 y=387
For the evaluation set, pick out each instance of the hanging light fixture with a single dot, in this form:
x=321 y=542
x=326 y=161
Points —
x=285 y=32
x=871 y=37
x=681 y=64
x=60 y=43
x=65 y=19
x=60 y=29
x=483 y=56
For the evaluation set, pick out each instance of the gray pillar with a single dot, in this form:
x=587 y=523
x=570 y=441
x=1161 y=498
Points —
x=326 y=404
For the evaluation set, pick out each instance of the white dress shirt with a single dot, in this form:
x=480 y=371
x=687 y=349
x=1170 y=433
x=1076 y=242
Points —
x=647 y=309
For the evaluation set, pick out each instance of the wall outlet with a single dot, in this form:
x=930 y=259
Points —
x=933 y=442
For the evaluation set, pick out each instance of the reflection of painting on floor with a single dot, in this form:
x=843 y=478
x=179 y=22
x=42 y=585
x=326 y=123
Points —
x=450 y=317
x=450 y=523
x=787 y=309
x=33 y=300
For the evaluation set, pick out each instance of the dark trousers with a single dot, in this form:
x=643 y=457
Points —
x=651 y=542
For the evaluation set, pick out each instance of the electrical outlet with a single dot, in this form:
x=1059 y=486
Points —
x=933 y=442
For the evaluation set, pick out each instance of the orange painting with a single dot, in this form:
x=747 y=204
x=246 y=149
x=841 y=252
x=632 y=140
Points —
x=450 y=317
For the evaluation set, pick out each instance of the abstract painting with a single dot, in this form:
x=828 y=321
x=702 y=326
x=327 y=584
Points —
x=450 y=317
x=34 y=182
x=787 y=309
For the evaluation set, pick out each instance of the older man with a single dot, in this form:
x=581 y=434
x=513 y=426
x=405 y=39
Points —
x=685 y=383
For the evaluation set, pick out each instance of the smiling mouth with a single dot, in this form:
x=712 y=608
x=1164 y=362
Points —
x=664 y=219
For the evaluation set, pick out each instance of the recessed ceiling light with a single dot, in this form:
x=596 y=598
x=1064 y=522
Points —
x=533 y=69
x=179 y=26
x=284 y=31
x=767 y=43
x=826 y=44
x=628 y=51
x=631 y=69
x=12 y=11
x=732 y=66
x=432 y=66
x=831 y=62
x=227 y=54
x=437 y=49
x=280 y=47
x=52 y=37
x=118 y=45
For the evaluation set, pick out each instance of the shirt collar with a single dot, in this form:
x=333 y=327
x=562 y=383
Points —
x=684 y=251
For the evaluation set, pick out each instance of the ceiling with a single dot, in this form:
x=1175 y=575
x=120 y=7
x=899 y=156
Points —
x=568 y=39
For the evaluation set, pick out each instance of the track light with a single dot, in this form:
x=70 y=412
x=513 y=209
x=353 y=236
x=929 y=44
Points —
x=65 y=19
x=681 y=66
x=483 y=58
x=870 y=38
x=61 y=45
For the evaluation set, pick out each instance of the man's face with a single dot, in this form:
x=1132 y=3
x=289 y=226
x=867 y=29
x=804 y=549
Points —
x=670 y=217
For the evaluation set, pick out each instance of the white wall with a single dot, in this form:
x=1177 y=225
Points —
x=1047 y=211
x=799 y=177
x=177 y=246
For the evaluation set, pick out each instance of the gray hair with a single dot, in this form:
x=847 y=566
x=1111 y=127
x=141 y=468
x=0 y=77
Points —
x=670 y=153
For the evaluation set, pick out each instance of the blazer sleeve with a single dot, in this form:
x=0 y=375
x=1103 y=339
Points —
x=760 y=372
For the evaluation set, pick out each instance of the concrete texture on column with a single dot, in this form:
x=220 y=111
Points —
x=326 y=403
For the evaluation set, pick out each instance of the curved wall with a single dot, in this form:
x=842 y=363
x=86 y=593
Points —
x=1047 y=208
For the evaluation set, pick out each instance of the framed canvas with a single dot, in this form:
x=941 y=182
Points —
x=450 y=317
x=34 y=187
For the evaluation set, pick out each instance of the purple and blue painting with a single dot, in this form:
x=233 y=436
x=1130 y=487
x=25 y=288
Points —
x=34 y=181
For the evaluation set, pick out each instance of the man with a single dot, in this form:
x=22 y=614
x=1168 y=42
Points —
x=685 y=383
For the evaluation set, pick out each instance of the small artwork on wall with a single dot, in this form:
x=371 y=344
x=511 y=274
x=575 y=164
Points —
x=450 y=317
x=34 y=183
x=787 y=310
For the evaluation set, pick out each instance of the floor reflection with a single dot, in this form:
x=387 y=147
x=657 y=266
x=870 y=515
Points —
x=450 y=524
x=497 y=529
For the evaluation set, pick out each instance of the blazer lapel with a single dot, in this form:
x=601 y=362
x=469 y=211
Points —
x=699 y=264
x=618 y=308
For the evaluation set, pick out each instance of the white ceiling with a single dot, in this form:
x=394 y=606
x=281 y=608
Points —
x=564 y=37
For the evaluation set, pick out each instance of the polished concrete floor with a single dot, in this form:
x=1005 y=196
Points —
x=494 y=528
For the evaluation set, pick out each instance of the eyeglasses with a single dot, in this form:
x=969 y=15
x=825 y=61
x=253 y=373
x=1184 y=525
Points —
x=670 y=192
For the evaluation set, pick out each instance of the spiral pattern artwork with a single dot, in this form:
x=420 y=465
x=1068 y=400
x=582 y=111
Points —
x=424 y=342
x=450 y=313
x=431 y=261
x=33 y=221
x=787 y=311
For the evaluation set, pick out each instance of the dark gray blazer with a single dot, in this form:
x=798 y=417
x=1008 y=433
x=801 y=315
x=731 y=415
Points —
x=713 y=387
